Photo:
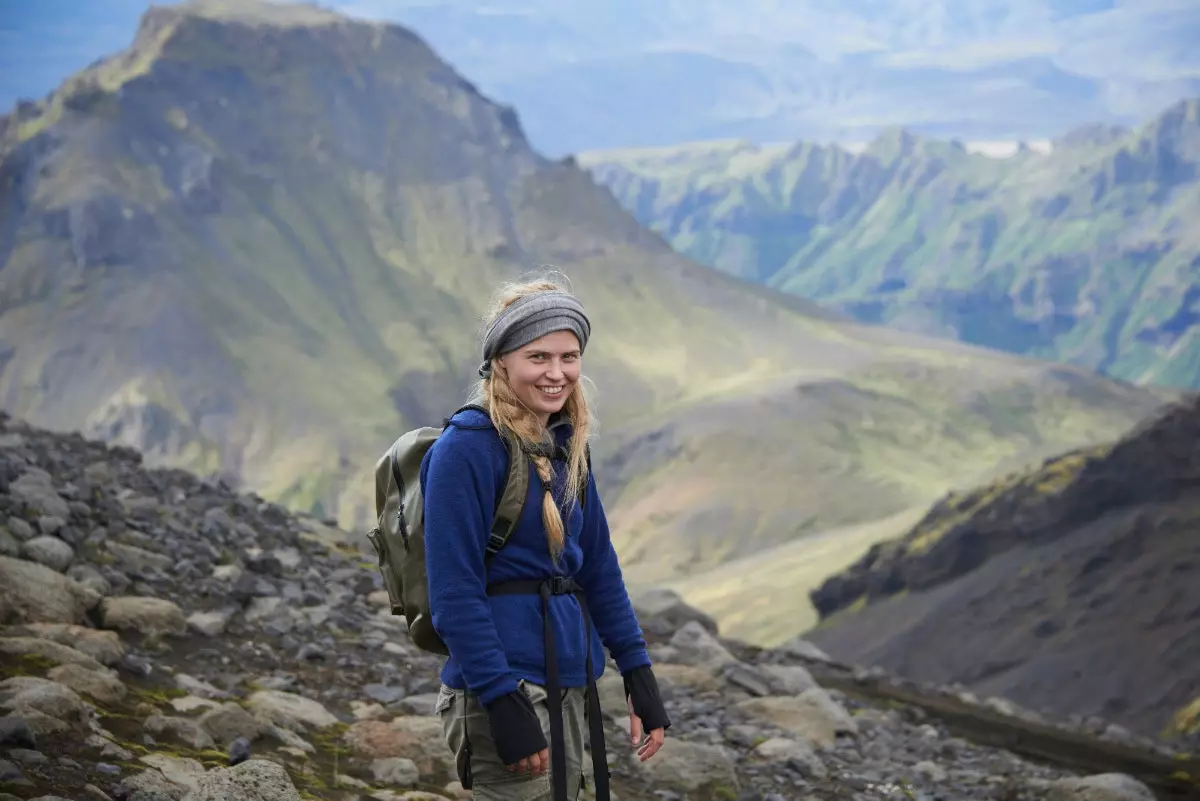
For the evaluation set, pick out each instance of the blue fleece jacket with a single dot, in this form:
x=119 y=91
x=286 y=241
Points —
x=494 y=641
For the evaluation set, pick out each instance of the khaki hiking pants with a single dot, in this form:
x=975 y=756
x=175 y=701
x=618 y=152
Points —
x=464 y=718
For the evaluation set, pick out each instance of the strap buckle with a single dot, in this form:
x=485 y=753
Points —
x=558 y=585
x=495 y=542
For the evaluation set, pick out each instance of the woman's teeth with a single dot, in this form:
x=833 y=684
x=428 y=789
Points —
x=551 y=390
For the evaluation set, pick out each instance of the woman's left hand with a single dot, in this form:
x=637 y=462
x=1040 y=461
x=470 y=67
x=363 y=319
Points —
x=649 y=742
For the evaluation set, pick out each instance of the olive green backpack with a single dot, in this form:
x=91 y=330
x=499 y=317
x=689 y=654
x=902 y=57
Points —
x=399 y=535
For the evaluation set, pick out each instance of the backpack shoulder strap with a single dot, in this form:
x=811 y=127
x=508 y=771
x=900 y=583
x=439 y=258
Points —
x=512 y=498
x=469 y=407
x=511 y=501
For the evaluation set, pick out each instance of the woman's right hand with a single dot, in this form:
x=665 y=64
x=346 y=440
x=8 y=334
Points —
x=517 y=733
x=534 y=765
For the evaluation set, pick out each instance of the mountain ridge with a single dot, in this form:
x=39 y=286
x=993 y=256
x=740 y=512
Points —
x=1081 y=254
x=264 y=255
x=1070 y=587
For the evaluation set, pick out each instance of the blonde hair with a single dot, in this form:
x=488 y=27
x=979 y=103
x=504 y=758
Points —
x=514 y=419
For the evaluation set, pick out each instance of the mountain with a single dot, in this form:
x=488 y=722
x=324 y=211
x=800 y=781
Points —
x=1084 y=254
x=257 y=243
x=630 y=74
x=163 y=637
x=1073 y=588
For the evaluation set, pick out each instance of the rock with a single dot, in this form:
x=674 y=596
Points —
x=252 y=780
x=812 y=716
x=194 y=686
x=699 y=648
x=21 y=647
x=1100 y=787
x=396 y=771
x=177 y=770
x=9 y=545
x=239 y=751
x=420 y=742
x=662 y=612
x=39 y=699
x=429 y=750
x=36 y=488
x=611 y=689
x=132 y=558
x=791 y=752
x=288 y=710
x=15 y=733
x=211 y=624
x=689 y=766
x=21 y=529
x=11 y=774
x=183 y=730
x=103 y=646
x=789 y=679
x=143 y=615
x=150 y=785
x=103 y=686
x=33 y=593
x=91 y=578
x=748 y=678
x=49 y=551
x=801 y=648
x=229 y=722
x=930 y=771
x=685 y=679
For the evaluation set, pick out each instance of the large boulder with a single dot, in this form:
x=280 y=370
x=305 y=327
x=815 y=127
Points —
x=34 y=593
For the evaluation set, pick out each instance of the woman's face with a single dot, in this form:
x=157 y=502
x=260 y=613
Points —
x=544 y=373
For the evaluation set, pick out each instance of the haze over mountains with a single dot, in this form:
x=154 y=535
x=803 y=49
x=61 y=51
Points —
x=626 y=73
x=588 y=75
x=1088 y=253
x=258 y=242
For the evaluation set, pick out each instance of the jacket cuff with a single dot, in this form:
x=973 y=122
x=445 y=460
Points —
x=642 y=689
x=515 y=727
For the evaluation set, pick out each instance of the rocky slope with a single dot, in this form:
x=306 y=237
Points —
x=1084 y=254
x=159 y=628
x=1073 y=588
x=257 y=243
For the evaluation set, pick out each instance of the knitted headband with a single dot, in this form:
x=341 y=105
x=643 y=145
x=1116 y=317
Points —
x=531 y=317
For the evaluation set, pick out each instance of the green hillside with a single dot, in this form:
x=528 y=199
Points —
x=259 y=241
x=1088 y=253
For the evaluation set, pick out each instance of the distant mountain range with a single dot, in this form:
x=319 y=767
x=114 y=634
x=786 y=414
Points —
x=623 y=73
x=257 y=243
x=1087 y=252
x=628 y=73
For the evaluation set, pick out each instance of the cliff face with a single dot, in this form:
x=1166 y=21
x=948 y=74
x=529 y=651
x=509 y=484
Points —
x=1073 y=588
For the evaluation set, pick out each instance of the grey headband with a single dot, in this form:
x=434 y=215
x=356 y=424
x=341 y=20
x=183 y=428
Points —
x=532 y=317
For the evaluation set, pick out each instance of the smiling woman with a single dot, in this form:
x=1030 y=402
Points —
x=525 y=618
x=543 y=373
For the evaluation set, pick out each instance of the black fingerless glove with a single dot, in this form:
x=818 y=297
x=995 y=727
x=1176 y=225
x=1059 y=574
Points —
x=642 y=688
x=515 y=727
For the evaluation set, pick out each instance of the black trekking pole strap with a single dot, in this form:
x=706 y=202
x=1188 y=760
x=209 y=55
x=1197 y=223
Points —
x=558 y=755
x=560 y=585
x=595 y=722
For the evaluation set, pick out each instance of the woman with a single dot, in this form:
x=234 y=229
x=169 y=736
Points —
x=538 y=613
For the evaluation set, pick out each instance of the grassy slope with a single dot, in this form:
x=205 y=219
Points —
x=1083 y=254
x=1102 y=565
x=268 y=254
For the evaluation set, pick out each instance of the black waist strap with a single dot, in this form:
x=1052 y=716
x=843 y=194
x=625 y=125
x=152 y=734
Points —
x=562 y=585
